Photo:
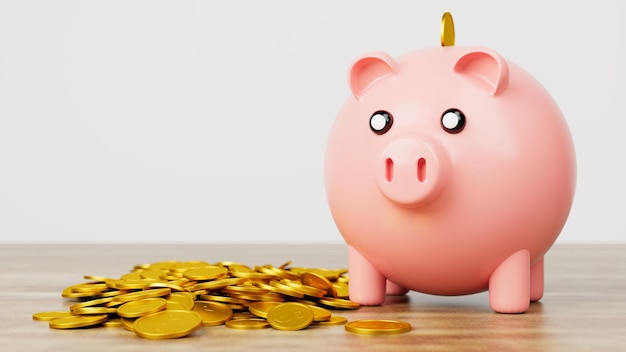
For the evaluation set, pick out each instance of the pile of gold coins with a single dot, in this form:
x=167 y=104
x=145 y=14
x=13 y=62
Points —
x=173 y=299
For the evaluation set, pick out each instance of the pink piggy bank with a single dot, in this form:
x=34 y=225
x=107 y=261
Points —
x=450 y=171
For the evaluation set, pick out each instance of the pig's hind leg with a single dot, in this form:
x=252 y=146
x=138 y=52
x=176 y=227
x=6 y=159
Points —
x=536 y=281
x=367 y=284
x=394 y=289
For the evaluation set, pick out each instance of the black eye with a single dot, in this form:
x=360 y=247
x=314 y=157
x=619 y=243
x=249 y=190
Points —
x=381 y=121
x=453 y=121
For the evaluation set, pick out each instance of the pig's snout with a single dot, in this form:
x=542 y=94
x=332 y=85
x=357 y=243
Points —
x=410 y=172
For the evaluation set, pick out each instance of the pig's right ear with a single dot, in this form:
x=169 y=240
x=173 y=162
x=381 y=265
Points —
x=485 y=68
x=368 y=69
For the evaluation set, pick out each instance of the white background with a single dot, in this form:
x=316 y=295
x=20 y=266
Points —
x=189 y=121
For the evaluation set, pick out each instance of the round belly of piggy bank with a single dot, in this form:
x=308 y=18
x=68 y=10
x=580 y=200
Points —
x=449 y=171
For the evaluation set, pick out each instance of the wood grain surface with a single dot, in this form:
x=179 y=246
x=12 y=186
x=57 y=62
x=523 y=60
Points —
x=583 y=309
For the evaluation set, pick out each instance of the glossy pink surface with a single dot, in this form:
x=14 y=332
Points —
x=449 y=212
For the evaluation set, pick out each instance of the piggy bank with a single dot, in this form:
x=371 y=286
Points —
x=448 y=171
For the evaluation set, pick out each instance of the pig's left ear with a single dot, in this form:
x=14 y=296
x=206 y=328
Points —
x=368 y=69
x=485 y=68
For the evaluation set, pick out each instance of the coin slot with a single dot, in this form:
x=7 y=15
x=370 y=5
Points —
x=389 y=169
x=421 y=170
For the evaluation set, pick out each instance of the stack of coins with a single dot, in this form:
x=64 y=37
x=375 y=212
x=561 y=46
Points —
x=183 y=296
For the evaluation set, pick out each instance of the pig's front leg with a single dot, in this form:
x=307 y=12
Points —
x=366 y=285
x=509 y=285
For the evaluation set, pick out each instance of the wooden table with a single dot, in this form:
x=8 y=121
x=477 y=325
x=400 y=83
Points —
x=583 y=309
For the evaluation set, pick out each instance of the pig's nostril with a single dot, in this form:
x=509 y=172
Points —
x=389 y=169
x=421 y=170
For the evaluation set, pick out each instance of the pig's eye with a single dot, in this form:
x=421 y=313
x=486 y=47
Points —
x=381 y=122
x=453 y=121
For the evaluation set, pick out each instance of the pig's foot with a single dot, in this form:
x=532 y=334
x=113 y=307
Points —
x=394 y=289
x=509 y=285
x=536 y=281
x=366 y=285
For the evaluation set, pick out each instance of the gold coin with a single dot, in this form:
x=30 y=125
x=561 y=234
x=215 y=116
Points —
x=307 y=290
x=113 y=304
x=185 y=300
x=197 y=293
x=205 y=273
x=133 y=296
x=320 y=314
x=171 y=305
x=135 y=309
x=183 y=282
x=135 y=275
x=217 y=284
x=151 y=274
x=96 y=278
x=170 y=285
x=318 y=281
x=191 y=295
x=236 y=306
x=268 y=297
x=166 y=265
x=167 y=324
x=245 y=289
x=242 y=315
x=77 y=321
x=47 y=316
x=252 y=275
x=283 y=274
x=261 y=284
x=139 y=284
x=378 y=327
x=260 y=309
x=94 y=310
x=334 y=320
x=171 y=276
x=240 y=268
x=338 y=303
x=181 y=267
x=113 y=323
x=89 y=287
x=112 y=293
x=212 y=313
x=286 y=290
x=447 y=30
x=93 y=302
x=68 y=293
x=247 y=324
x=330 y=274
x=128 y=324
x=290 y=316
x=342 y=289
x=303 y=301
x=223 y=299
x=228 y=263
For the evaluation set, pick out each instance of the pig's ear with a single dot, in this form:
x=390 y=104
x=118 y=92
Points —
x=485 y=68
x=368 y=69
